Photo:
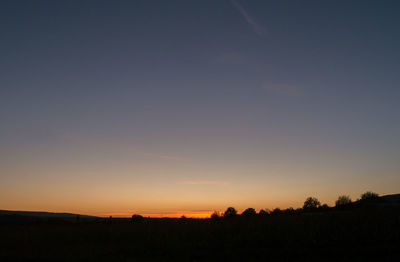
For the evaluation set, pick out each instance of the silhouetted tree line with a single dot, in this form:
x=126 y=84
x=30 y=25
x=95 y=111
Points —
x=311 y=204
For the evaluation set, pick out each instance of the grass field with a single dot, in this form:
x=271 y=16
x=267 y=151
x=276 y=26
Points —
x=355 y=235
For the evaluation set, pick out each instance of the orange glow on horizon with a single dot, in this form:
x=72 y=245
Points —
x=188 y=214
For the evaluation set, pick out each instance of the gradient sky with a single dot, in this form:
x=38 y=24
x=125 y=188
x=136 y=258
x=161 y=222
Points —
x=185 y=107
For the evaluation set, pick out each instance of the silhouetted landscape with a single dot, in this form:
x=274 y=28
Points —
x=199 y=130
x=366 y=229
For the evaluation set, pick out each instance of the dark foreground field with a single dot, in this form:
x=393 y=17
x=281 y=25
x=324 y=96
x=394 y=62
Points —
x=356 y=235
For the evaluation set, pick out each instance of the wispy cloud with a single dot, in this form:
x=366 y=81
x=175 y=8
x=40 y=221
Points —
x=203 y=182
x=258 y=29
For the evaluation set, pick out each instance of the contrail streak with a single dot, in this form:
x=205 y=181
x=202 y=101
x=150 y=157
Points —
x=259 y=30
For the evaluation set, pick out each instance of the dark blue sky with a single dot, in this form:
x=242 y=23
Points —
x=243 y=94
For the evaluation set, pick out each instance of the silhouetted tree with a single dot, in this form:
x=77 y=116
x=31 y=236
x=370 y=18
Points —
x=230 y=212
x=324 y=207
x=249 y=212
x=343 y=201
x=311 y=203
x=215 y=215
x=264 y=212
x=136 y=218
x=289 y=210
x=369 y=196
x=276 y=211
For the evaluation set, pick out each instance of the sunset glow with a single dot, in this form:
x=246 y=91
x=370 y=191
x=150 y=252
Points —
x=188 y=214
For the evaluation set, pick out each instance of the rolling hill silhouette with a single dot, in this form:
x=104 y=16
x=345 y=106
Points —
x=9 y=216
x=392 y=200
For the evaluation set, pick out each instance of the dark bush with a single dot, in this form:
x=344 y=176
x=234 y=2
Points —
x=249 y=212
x=276 y=211
x=311 y=203
x=263 y=212
x=136 y=218
x=215 y=215
x=369 y=196
x=343 y=201
x=289 y=210
x=230 y=212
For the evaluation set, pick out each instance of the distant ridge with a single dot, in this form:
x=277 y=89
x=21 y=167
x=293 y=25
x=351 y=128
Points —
x=390 y=200
x=33 y=217
x=43 y=214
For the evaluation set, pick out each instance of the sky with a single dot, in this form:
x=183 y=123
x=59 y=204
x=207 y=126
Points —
x=165 y=108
